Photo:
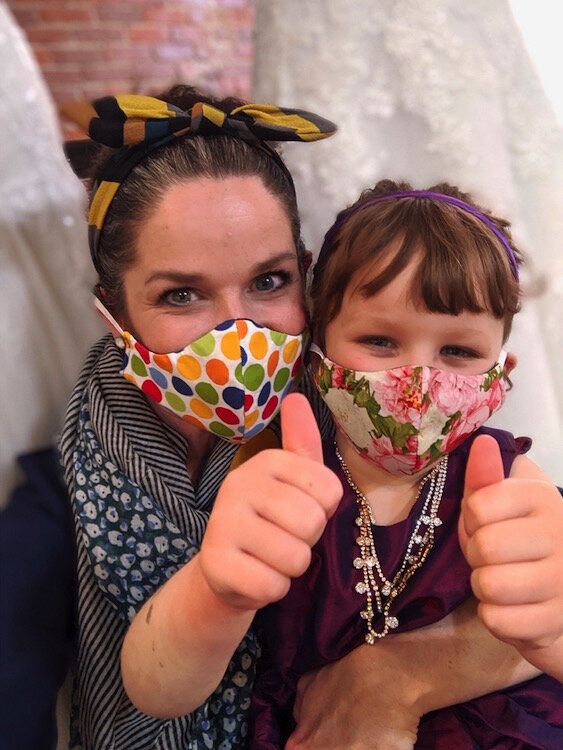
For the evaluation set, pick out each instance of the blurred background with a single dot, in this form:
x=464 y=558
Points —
x=423 y=90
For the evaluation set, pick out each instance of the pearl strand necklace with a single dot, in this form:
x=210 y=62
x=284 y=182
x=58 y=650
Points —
x=418 y=548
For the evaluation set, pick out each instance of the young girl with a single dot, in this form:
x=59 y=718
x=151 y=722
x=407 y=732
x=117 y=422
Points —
x=414 y=294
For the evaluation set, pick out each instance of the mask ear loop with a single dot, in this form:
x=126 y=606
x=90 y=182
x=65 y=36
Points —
x=102 y=309
x=501 y=362
x=315 y=350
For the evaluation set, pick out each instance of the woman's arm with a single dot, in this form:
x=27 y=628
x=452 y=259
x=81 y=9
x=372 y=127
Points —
x=179 y=645
x=375 y=696
x=510 y=532
x=268 y=513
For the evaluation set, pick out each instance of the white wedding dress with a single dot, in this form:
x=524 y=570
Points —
x=48 y=320
x=45 y=304
x=433 y=90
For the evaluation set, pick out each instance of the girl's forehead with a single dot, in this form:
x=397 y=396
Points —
x=374 y=267
x=404 y=290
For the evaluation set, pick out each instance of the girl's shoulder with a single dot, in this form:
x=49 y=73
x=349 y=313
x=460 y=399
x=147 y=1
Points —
x=509 y=445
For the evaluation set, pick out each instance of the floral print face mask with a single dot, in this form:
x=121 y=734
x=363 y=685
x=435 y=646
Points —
x=406 y=418
x=230 y=381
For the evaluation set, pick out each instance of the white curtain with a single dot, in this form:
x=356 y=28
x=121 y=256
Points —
x=47 y=319
x=431 y=90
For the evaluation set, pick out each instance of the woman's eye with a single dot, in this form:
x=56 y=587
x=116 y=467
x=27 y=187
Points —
x=178 y=297
x=271 y=282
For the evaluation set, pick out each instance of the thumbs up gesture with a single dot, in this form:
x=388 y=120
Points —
x=511 y=532
x=268 y=514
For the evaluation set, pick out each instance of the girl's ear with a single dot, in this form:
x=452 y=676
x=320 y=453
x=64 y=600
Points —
x=510 y=363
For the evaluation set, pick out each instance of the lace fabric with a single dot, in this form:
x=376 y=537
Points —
x=429 y=92
x=48 y=320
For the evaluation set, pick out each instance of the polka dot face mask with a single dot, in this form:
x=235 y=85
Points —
x=229 y=382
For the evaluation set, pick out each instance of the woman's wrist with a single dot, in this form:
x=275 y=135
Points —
x=194 y=608
x=468 y=662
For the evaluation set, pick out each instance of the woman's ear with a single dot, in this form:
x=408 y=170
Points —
x=510 y=363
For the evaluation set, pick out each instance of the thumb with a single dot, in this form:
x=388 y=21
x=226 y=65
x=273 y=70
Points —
x=300 y=433
x=484 y=465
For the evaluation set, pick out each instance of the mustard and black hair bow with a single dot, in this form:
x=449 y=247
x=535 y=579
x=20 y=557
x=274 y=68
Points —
x=123 y=120
x=138 y=124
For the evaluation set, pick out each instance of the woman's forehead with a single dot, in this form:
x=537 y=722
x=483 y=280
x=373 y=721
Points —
x=201 y=222
x=204 y=197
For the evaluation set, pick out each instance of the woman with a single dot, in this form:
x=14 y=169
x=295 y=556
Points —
x=187 y=234
x=217 y=197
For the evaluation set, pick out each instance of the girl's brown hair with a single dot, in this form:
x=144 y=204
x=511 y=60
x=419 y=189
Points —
x=463 y=264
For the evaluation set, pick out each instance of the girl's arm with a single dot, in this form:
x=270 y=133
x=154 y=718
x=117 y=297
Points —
x=510 y=532
x=268 y=514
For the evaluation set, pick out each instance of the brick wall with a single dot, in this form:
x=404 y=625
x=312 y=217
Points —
x=89 y=48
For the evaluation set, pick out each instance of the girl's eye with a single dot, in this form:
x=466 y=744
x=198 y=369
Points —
x=178 y=297
x=458 y=352
x=379 y=342
x=271 y=282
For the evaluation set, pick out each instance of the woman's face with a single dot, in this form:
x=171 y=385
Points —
x=214 y=249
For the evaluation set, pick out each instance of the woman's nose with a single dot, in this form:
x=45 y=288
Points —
x=232 y=307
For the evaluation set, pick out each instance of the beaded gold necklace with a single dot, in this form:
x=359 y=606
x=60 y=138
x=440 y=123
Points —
x=421 y=541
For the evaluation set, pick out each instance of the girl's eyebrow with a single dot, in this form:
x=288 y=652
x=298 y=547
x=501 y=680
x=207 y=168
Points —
x=378 y=317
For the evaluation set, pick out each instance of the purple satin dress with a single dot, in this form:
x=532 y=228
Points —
x=319 y=621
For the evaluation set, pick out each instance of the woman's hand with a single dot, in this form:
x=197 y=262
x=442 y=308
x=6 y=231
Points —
x=359 y=702
x=510 y=531
x=268 y=514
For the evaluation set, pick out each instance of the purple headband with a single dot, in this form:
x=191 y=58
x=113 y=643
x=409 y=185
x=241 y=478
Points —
x=433 y=196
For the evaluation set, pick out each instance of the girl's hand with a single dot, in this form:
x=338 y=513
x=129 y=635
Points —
x=268 y=514
x=510 y=531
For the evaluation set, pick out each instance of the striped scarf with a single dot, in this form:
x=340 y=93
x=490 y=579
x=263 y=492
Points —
x=138 y=520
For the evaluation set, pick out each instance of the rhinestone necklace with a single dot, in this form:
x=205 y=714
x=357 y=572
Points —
x=381 y=589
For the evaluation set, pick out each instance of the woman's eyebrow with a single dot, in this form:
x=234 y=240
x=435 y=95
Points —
x=176 y=277
x=270 y=263
x=187 y=279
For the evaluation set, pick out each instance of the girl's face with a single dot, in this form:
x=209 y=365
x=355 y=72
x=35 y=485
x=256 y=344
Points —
x=386 y=330
x=213 y=250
